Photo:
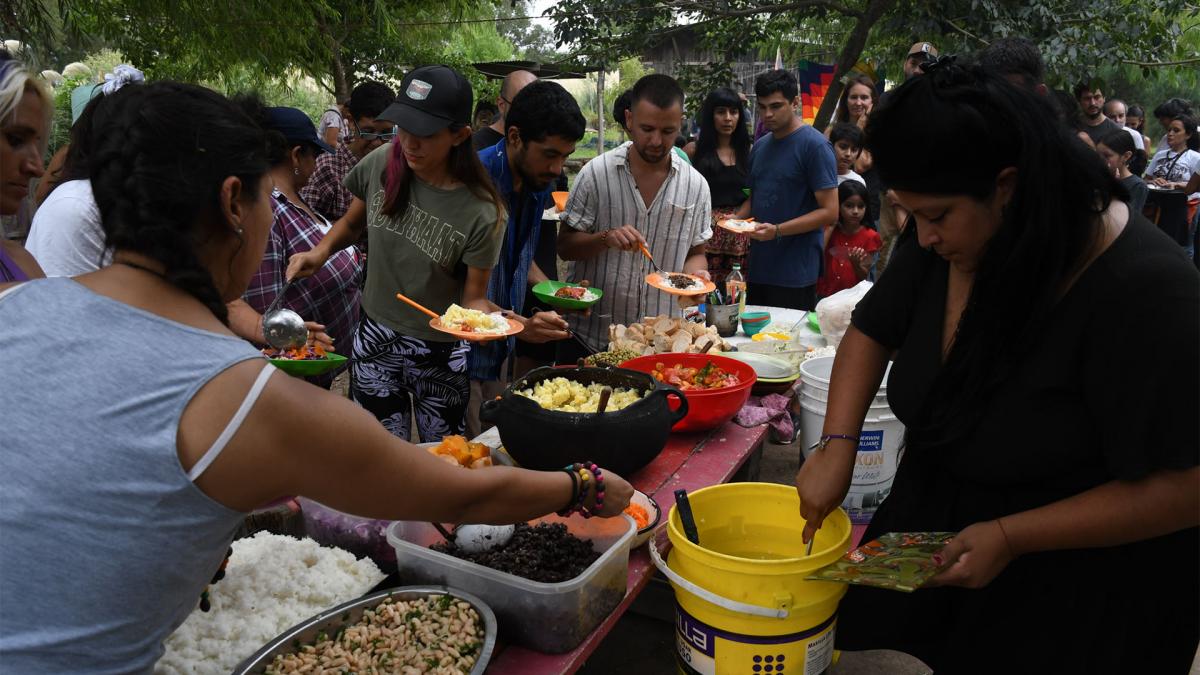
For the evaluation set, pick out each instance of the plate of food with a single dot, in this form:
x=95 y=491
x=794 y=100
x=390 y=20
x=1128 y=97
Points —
x=304 y=361
x=567 y=295
x=676 y=283
x=475 y=326
x=738 y=226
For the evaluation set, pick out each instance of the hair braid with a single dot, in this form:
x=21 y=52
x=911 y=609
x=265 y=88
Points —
x=157 y=170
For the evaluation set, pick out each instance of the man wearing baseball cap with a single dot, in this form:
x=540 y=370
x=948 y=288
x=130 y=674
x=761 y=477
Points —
x=920 y=52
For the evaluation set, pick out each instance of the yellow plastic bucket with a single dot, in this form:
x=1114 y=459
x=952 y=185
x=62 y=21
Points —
x=742 y=604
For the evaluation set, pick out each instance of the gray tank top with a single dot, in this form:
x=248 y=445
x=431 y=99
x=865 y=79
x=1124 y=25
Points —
x=106 y=543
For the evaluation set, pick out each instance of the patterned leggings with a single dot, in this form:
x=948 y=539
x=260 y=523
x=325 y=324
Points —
x=388 y=367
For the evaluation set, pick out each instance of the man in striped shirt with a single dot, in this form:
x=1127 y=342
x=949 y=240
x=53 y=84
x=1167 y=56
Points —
x=639 y=193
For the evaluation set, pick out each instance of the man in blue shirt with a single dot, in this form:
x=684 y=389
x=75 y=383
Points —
x=542 y=126
x=793 y=195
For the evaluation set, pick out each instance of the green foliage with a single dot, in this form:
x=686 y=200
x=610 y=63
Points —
x=698 y=80
x=335 y=42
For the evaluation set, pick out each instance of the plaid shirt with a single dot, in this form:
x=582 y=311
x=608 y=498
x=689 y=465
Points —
x=330 y=296
x=325 y=193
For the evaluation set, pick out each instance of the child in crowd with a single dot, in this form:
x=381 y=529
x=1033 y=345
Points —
x=1127 y=163
x=850 y=247
x=847 y=140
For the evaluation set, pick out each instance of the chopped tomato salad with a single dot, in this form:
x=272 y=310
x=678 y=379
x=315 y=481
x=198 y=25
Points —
x=685 y=378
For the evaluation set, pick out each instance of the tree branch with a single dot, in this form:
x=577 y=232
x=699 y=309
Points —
x=728 y=12
x=1157 y=64
x=966 y=32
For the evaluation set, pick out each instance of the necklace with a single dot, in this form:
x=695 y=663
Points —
x=141 y=267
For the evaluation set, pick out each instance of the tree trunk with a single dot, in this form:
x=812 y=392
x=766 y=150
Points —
x=337 y=66
x=851 y=51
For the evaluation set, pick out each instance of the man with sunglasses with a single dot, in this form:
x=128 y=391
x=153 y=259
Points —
x=324 y=192
x=513 y=83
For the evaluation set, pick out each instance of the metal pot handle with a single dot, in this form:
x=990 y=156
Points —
x=667 y=390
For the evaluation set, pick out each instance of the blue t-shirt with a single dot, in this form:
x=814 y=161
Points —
x=784 y=175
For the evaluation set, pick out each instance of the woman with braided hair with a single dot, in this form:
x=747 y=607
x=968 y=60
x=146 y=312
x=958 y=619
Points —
x=138 y=429
x=1070 y=480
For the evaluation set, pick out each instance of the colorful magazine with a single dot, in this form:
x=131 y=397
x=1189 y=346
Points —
x=899 y=561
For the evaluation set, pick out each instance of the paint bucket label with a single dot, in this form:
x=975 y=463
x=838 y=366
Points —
x=874 y=468
x=702 y=649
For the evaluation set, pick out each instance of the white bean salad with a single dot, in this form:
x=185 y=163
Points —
x=438 y=635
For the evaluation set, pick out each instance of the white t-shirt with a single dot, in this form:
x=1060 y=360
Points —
x=1137 y=138
x=1175 y=167
x=332 y=119
x=850 y=175
x=66 y=237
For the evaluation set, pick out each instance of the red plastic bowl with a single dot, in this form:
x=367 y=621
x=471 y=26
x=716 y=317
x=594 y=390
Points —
x=707 y=408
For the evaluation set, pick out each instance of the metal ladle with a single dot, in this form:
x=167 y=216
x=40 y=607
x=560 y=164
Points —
x=283 y=328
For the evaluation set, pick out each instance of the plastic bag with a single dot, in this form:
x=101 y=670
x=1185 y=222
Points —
x=833 y=313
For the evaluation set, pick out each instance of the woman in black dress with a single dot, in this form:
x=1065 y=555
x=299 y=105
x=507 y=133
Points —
x=1064 y=456
x=721 y=154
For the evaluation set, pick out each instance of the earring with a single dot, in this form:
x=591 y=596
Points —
x=240 y=231
x=296 y=170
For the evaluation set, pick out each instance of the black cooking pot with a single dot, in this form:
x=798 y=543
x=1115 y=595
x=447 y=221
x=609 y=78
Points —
x=622 y=440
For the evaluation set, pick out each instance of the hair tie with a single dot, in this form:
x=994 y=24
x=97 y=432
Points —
x=122 y=75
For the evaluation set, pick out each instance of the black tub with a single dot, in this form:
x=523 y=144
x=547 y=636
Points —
x=622 y=441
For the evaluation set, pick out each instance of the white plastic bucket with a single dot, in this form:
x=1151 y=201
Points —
x=880 y=443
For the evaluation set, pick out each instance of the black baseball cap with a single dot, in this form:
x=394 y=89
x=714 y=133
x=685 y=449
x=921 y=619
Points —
x=295 y=126
x=431 y=99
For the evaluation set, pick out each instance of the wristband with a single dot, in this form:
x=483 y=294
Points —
x=576 y=490
x=820 y=445
x=776 y=231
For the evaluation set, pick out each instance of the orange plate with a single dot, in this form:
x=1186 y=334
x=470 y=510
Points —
x=560 y=200
x=655 y=279
x=514 y=327
x=734 y=228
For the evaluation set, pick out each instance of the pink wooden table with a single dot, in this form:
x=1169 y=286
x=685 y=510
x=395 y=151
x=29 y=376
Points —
x=690 y=462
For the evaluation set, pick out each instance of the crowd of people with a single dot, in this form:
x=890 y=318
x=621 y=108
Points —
x=178 y=215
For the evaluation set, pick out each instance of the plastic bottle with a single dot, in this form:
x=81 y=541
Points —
x=735 y=283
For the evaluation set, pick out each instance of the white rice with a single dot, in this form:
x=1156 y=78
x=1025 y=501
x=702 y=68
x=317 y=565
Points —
x=271 y=584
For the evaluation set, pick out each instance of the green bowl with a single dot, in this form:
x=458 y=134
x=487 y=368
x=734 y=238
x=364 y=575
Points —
x=310 y=367
x=813 y=323
x=545 y=292
x=753 y=322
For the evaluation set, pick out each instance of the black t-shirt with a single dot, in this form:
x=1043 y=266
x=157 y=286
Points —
x=1098 y=132
x=1087 y=405
x=485 y=138
x=725 y=184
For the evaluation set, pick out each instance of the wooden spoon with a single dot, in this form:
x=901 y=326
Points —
x=417 y=305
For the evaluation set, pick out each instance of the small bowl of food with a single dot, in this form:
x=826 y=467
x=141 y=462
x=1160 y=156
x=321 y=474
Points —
x=567 y=295
x=645 y=513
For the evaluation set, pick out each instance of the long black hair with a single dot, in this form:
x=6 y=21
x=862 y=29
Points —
x=82 y=137
x=705 y=159
x=1121 y=142
x=157 y=167
x=1047 y=229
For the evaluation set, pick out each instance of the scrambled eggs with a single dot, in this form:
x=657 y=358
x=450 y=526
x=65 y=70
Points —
x=472 y=321
x=565 y=395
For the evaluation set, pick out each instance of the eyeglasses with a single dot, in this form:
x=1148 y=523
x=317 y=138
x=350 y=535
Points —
x=372 y=136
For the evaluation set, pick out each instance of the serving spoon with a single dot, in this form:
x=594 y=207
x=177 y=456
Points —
x=283 y=328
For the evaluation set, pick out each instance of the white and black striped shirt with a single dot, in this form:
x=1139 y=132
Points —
x=605 y=197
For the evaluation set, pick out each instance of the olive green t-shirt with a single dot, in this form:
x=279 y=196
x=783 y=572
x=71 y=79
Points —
x=424 y=252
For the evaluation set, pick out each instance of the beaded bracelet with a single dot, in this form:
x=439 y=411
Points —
x=598 y=475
